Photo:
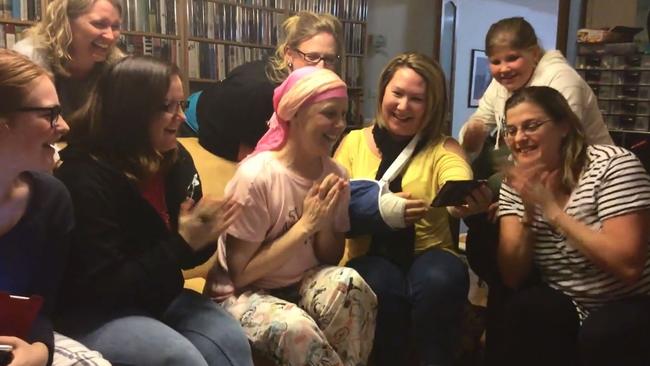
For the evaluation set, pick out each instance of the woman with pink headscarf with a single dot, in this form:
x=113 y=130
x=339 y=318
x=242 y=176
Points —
x=295 y=305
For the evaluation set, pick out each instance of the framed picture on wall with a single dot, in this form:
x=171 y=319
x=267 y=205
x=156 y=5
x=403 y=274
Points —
x=480 y=77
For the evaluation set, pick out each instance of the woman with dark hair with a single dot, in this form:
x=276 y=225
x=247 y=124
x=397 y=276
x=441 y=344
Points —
x=578 y=214
x=138 y=225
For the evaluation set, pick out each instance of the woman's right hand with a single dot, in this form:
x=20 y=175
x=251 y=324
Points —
x=201 y=224
x=26 y=354
x=320 y=203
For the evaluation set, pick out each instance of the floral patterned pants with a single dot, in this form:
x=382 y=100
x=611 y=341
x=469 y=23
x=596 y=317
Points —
x=331 y=322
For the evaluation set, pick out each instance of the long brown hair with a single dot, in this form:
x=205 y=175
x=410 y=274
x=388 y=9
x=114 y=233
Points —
x=115 y=121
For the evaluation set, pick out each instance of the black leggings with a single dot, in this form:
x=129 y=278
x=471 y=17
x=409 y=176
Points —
x=542 y=328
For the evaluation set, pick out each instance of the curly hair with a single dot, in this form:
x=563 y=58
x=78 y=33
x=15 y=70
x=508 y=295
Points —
x=297 y=29
x=54 y=34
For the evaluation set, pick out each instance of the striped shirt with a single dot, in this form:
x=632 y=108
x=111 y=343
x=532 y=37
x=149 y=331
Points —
x=613 y=183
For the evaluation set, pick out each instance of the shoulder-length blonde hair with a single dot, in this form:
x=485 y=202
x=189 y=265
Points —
x=297 y=29
x=574 y=147
x=17 y=73
x=434 y=124
x=54 y=34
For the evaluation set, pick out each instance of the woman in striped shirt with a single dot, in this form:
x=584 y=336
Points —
x=579 y=215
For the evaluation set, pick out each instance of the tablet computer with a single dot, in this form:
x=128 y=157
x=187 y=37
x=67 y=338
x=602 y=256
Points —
x=453 y=193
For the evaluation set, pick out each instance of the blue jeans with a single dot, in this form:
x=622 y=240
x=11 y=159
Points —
x=192 y=331
x=426 y=302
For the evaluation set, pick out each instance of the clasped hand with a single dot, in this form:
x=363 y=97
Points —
x=320 y=203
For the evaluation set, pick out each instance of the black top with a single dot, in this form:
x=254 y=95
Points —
x=123 y=256
x=235 y=110
x=33 y=252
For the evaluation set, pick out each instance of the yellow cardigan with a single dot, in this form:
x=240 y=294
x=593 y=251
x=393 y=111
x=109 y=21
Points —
x=425 y=174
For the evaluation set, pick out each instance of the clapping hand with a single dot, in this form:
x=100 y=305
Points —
x=536 y=186
x=320 y=203
x=202 y=223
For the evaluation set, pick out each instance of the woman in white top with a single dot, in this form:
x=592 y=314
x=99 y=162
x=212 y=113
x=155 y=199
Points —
x=578 y=214
x=516 y=61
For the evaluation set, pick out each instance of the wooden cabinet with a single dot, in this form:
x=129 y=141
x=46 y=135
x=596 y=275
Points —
x=619 y=74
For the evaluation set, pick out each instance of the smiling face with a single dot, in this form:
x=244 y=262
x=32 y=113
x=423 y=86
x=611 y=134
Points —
x=533 y=137
x=513 y=68
x=404 y=103
x=322 y=43
x=30 y=134
x=95 y=32
x=316 y=127
x=164 y=128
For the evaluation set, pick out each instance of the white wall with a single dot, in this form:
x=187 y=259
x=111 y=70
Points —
x=474 y=20
x=406 y=25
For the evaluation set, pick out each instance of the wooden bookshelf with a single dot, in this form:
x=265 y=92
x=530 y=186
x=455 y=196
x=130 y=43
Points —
x=209 y=38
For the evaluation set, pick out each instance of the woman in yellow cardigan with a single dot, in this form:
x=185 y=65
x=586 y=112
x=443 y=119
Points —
x=420 y=283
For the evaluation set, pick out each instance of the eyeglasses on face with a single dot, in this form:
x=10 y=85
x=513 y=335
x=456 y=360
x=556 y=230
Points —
x=176 y=106
x=53 y=112
x=528 y=128
x=313 y=58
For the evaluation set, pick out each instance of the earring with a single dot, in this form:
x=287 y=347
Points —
x=290 y=65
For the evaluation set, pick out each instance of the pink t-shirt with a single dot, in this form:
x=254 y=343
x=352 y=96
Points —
x=272 y=197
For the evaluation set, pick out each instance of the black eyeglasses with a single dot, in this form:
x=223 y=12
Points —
x=54 y=112
x=174 y=107
x=313 y=58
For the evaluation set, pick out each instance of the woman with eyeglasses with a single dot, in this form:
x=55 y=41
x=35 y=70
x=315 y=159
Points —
x=35 y=210
x=578 y=214
x=140 y=221
x=75 y=41
x=231 y=116
x=516 y=60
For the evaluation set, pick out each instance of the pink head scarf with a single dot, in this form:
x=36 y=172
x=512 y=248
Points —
x=304 y=86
